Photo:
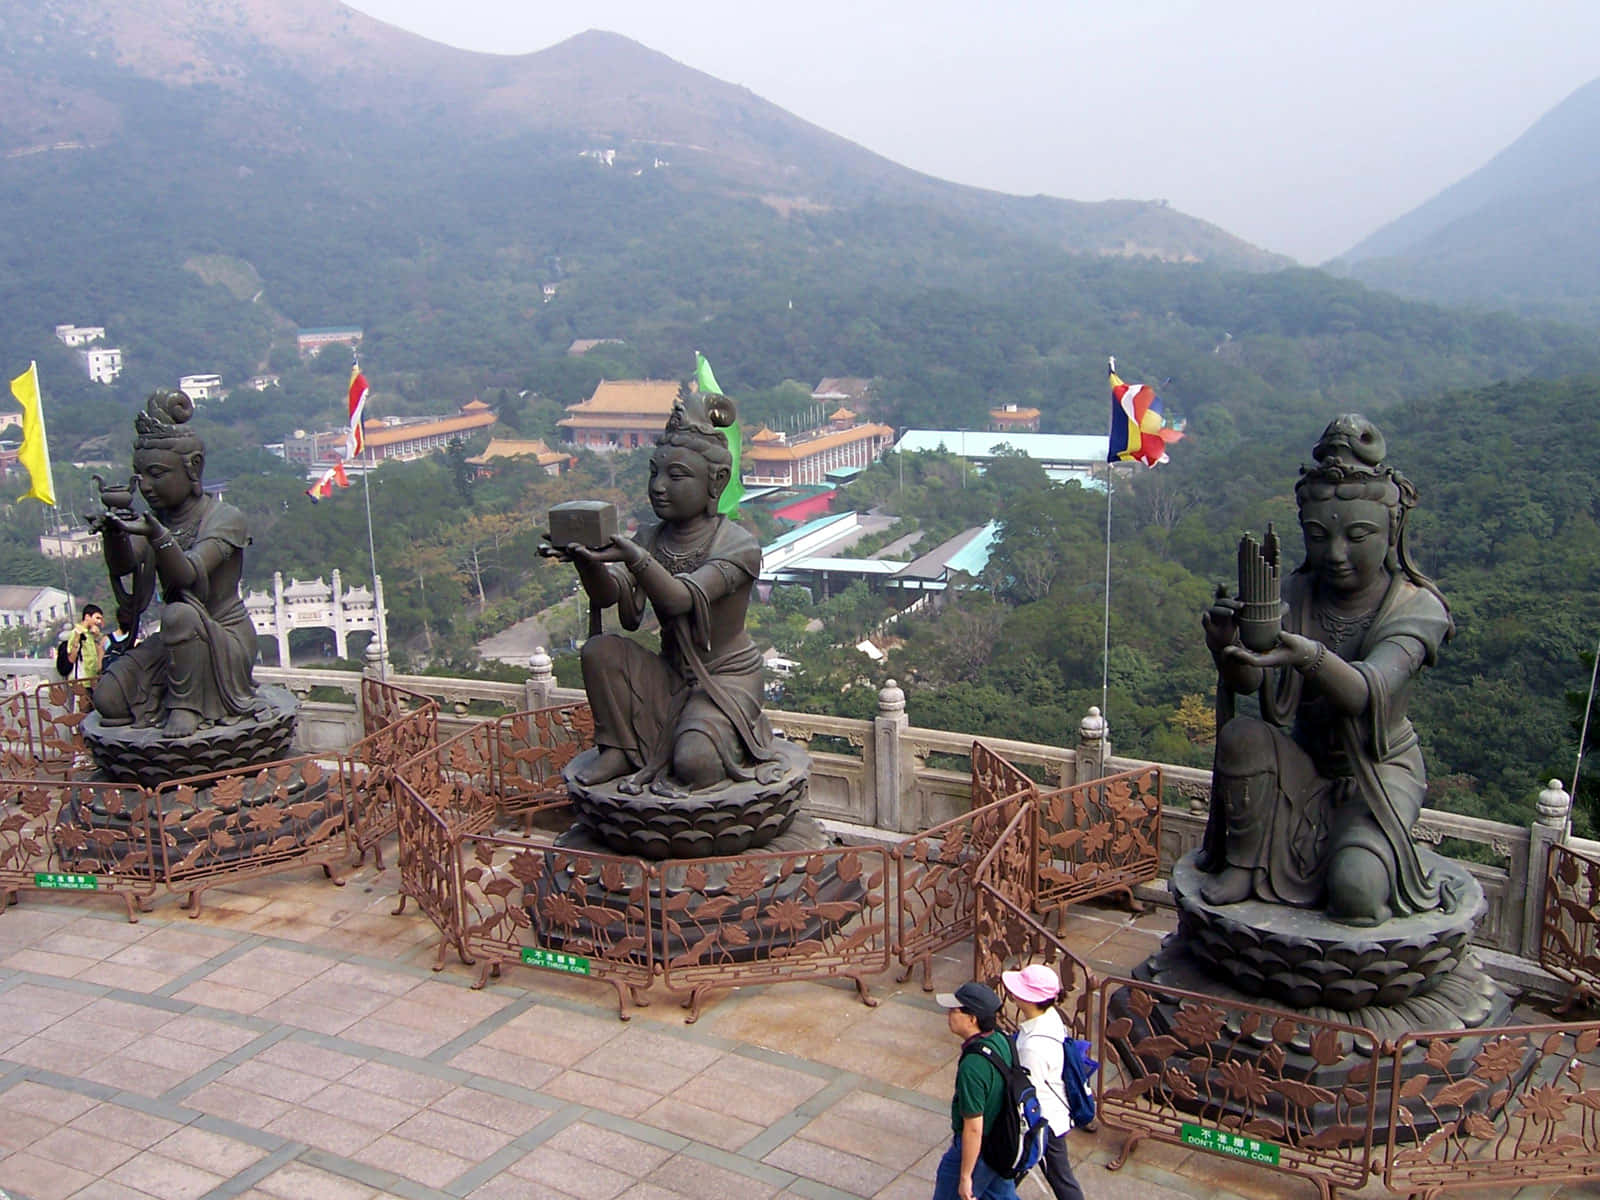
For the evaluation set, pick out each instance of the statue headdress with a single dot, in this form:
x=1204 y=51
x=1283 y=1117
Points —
x=161 y=426
x=696 y=423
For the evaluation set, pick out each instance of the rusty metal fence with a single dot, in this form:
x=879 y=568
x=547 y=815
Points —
x=1500 y=1108
x=1098 y=837
x=1240 y=1079
x=397 y=726
x=1569 y=939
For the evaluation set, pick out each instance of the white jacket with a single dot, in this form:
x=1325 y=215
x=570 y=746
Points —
x=1040 y=1050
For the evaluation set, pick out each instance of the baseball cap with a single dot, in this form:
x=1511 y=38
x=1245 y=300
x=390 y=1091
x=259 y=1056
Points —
x=973 y=997
x=1035 y=983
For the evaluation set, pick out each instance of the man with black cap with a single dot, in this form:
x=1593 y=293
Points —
x=980 y=1094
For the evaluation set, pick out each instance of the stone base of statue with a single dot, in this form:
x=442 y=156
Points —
x=736 y=898
x=1302 y=959
x=1330 y=1074
x=721 y=820
x=231 y=821
x=146 y=755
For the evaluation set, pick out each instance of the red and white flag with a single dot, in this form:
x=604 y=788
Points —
x=354 y=443
x=332 y=477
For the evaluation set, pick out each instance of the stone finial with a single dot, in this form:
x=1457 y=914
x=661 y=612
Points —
x=1554 y=806
x=891 y=700
x=1093 y=726
x=372 y=658
x=540 y=667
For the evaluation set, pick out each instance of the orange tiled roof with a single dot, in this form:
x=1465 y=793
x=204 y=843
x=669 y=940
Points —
x=795 y=451
x=630 y=396
x=378 y=434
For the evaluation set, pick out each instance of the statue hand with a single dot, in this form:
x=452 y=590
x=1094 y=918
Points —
x=1292 y=650
x=1221 y=623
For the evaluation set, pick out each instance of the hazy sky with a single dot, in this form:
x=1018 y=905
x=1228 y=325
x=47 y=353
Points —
x=1300 y=125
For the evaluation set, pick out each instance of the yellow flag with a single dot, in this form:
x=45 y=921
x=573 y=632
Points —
x=35 y=452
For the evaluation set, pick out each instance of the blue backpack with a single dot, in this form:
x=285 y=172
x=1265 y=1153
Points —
x=1076 y=1068
x=1014 y=1143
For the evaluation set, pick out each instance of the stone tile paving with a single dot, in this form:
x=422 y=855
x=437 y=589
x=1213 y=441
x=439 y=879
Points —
x=292 y=1044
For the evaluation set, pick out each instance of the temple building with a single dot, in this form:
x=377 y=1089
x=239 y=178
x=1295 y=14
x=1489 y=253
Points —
x=845 y=444
x=506 y=449
x=623 y=414
x=392 y=438
x=1012 y=418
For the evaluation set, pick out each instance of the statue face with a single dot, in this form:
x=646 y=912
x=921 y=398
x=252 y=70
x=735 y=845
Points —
x=680 y=486
x=1346 y=542
x=163 y=480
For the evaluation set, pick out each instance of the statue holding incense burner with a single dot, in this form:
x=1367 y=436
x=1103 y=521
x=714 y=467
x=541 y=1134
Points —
x=684 y=761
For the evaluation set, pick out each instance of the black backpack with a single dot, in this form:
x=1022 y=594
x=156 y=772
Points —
x=1014 y=1143
x=64 y=658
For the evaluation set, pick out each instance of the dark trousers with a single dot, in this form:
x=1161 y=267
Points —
x=1057 y=1169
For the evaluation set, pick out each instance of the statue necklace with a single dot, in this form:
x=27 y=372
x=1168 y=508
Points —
x=184 y=529
x=691 y=557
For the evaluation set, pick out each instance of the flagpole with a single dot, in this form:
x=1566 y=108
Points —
x=1583 y=731
x=372 y=557
x=1105 y=635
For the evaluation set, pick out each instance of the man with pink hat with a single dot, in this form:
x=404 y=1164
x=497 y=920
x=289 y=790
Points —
x=1041 y=1037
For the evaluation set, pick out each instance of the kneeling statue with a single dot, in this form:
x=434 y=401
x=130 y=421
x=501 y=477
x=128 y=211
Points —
x=1312 y=804
x=687 y=719
x=199 y=670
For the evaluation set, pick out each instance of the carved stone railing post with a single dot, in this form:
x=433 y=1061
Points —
x=541 y=679
x=372 y=659
x=1094 y=747
x=1552 y=815
x=892 y=772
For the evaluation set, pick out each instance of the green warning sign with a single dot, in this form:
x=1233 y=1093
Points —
x=65 y=881
x=572 y=964
x=1237 y=1145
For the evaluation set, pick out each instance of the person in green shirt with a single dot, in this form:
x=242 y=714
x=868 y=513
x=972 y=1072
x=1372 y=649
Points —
x=979 y=1096
x=83 y=643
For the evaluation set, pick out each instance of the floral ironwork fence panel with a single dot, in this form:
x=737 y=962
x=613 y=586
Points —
x=82 y=837
x=1500 y=1108
x=769 y=918
x=1008 y=936
x=384 y=703
x=994 y=778
x=16 y=737
x=58 y=711
x=430 y=869
x=1271 y=1087
x=397 y=734
x=234 y=825
x=1098 y=837
x=933 y=882
x=577 y=913
x=1569 y=941
x=532 y=748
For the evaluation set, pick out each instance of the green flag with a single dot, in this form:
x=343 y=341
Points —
x=728 y=506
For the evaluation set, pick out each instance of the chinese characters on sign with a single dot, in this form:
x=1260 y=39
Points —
x=572 y=964
x=65 y=882
x=1220 y=1141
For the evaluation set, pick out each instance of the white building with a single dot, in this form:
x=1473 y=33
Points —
x=79 y=335
x=201 y=387
x=104 y=363
x=33 y=607
x=69 y=543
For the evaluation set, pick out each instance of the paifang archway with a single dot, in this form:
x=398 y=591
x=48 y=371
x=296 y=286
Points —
x=315 y=604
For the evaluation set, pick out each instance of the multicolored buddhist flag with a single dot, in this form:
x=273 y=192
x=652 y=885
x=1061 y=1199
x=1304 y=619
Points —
x=354 y=443
x=1139 y=431
x=35 y=451
x=728 y=506
x=333 y=477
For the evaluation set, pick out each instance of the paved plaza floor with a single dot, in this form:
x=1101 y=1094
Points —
x=293 y=1044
